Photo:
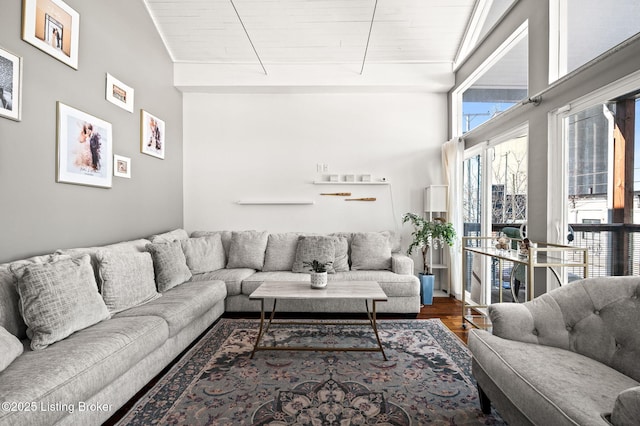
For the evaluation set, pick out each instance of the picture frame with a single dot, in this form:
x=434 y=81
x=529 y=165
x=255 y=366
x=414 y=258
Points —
x=10 y=85
x=121 y=166
x=53 y=27
x=84 y=148
x=119 y=93
x=152 y=135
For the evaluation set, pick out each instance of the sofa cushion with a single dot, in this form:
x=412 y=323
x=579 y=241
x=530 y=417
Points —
x=170 y=236
x=127 y=279
x=11 y=348
x=341 y=261
x=232 y=278
x=626 y=409
x=204 y=254
x=225 y=236
x=370 y=251
x=574 y=389
x=393 y=285
x=58 y=298
x=10 y=317
x=314 y=247
x=169 y=264
x=77 y=368
x=181 y=305
x=247 y=249
x=281 y=251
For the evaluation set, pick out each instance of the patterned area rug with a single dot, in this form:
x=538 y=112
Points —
x=426 y=380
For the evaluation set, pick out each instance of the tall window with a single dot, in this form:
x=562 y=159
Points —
x=497 y=85
x=588 y=28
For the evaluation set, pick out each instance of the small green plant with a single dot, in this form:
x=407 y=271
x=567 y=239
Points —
x=318 y=266
x=436 y=233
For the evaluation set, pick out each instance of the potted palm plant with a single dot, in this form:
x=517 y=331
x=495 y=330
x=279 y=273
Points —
x=435 y=233
x=318 y=273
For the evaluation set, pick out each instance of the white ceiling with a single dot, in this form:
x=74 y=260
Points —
x=312 y=33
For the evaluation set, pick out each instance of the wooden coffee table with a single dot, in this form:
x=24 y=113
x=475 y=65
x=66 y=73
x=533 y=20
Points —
x=292 y=290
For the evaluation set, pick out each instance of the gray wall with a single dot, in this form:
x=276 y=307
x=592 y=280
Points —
x=38 y=215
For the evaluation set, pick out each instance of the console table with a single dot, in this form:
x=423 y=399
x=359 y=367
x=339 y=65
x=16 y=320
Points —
x=543 y=255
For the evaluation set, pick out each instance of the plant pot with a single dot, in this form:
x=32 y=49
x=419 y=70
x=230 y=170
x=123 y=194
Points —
x=318 y=279
x=426 y=289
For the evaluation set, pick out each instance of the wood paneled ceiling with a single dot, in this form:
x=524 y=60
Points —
x=294 y=32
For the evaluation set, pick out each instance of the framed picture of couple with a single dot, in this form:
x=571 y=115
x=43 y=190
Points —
x=10 y=85
x=152 y=135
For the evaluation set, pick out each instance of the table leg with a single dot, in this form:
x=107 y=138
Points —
x=255 y=347
x=374 y=325
x=273 y=313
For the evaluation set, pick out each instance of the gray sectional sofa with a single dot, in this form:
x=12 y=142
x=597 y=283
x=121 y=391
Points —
x=84 y=329
x=568 y=357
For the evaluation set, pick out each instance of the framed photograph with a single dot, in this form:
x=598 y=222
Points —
x=84 y=148
x=53 y=27
x=121 y=166
x=152 y=135
x=119 y=93
x=10 y=85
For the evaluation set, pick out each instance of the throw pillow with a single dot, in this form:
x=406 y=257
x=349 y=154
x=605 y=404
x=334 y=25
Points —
x=314 y=247
x=58 y=298
x=224 y=235
x=341 y=262
x=370 y=251
x=170 y=236
x=169 y=264
x=204 y=254
x=281 y=251
x=11 y=348
x=247 y=249
x=126 y=279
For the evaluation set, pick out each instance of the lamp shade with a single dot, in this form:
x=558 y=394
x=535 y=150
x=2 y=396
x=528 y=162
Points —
x=435 y=198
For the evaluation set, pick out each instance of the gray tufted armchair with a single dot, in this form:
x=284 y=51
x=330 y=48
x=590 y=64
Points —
x=571 y=356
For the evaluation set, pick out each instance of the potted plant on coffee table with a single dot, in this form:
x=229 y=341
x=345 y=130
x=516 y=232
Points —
x=318 y=273
x=426 y=234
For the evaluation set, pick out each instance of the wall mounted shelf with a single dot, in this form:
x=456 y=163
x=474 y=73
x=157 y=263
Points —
x=326 y=182
x=276 y=202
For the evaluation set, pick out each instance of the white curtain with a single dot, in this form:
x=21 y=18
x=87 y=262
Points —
x=452 y=155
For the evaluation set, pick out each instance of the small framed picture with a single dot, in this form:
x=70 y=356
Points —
x=53 y=27
x=152 y=135
x=10 y=85
x=84 y=148
x=121 y=166
x=119 y=93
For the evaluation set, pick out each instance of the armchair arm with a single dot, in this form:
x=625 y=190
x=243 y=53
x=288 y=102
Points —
x=626 y=410
x=401 y=264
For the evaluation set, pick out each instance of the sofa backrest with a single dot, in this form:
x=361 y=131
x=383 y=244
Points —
x=596 y=317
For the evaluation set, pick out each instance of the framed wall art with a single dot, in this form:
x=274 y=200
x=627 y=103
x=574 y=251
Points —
x=119 y=93
x=84 y=145
x=10 y=85
x=152 y=135
x=53 y=27
x=121 y=166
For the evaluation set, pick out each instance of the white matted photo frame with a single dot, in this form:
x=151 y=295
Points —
x=152 y=135
x=10 y=85
x=53 y=27
x=84 y=145
x=119 y=93
x=121 y=166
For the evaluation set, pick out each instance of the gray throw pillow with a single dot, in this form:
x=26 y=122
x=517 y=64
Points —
x=170 y=236
x=314 y=247
x=127 y=279
x=204 y=254
x=281 y=251
x=11 y=348
x=169 y=264
x=247 y=249
x=370 y=251
x=341 y=262
x=58 y=298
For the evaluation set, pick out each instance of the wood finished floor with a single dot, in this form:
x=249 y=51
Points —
x=448 y=309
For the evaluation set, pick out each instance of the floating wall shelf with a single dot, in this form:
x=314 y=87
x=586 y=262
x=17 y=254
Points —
x=275 y=202
x=326 y=182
